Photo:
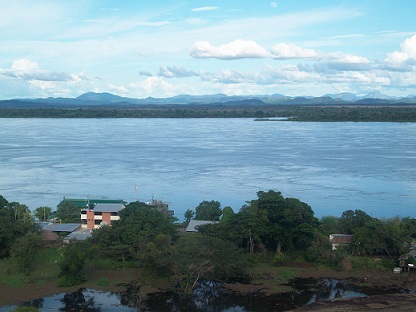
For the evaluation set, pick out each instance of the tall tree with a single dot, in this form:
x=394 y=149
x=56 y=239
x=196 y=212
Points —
x=290 y=222
x=208 y=210
x=43 y=213
x=15 y=222
x=189 y=214
x=139 y=228
x=227 y=214
x=24 y=251
x=68 y=212
x=353 y=220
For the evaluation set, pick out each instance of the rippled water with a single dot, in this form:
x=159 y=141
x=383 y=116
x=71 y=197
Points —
x=331 y=166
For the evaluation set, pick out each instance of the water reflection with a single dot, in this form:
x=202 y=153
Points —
x=76 y=301
x=208 y=297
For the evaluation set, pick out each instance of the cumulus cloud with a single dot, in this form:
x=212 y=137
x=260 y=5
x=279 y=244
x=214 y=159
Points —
x=28 y=70
x=403 y=60
x=205 y=8
x=291 y=51
x=406 y=54
x=234 y=50
x=176 y=72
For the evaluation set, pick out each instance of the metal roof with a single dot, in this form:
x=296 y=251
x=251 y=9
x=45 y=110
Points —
x=61 y=227
x=82 y=202
x=80 y=234
x=108 y=207
x=193 y=224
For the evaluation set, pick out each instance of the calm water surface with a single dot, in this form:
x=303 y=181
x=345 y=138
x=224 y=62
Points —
x=331 y=166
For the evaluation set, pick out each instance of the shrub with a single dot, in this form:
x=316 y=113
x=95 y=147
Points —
x=278 y=259
x=103 y=282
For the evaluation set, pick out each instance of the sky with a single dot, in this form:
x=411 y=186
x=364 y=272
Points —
x=61 y=48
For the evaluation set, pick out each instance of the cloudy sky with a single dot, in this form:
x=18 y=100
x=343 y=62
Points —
x=61 y=48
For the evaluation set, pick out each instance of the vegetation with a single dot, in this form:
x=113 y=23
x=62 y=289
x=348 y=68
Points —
x=43 y=213
x=68 y=212
x=396 y=112
x=208 y=210
x=24 y=251
x=270 y=230
x=15 y=222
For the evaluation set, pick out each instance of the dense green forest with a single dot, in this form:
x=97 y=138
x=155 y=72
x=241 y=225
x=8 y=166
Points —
x=269 y=229
x=292 y=112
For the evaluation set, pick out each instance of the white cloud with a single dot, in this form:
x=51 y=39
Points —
x=205 y=8
x=290 y=51
x=24 y=65
x=234 y=50
x=28 y=70
x=175 y=72
x=407 y=52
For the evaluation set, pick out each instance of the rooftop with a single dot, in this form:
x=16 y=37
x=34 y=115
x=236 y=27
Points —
x=193 y=224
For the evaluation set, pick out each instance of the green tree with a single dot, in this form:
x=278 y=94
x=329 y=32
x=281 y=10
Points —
x=72 y=264
x=131 y=237
x=353 y=220
x=15 y=222
x=290 y=223
x=189 y=214
x=227 y=214
x=24 y=251
x=43 y=213
x=68 y=212
x=331 y=225
x=195 y=257
x=379 y=237
x=208 y=210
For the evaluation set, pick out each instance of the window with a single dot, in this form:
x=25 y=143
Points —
x=98 y=213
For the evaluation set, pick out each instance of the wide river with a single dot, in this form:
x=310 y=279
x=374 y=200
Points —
x=332 y=166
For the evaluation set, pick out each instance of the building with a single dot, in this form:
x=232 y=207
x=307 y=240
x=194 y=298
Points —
x=338 y=240
x=194 y=224
x=96 y=215
x=96 y=212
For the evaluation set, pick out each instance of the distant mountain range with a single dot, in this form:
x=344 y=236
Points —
x=92 y=99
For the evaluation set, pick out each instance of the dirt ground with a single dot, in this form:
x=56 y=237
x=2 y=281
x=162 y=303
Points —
x=267 y=280
x=14 y=295
x=385 y=303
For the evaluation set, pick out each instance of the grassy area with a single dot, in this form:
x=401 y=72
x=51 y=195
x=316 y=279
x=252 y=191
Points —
x=43 y=280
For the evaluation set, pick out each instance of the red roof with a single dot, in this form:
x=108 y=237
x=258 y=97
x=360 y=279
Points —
x=342 y=239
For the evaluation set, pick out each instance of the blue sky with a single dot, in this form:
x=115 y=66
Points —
x=57 y=48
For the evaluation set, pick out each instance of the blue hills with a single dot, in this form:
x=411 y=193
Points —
x=93 y=99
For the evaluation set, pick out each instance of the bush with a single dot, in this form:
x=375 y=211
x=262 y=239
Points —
x=103 y=282
x=72 y=264
x=367 y=263
x=278 y=259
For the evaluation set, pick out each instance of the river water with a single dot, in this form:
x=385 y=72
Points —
x=331 y=166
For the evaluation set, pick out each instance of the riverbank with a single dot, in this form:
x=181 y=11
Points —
x=266 y=281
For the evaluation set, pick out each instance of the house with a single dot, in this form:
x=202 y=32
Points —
x=96 y=212
x=338 y=240
x=51 y=232
x=96 y=215
x=194 y=224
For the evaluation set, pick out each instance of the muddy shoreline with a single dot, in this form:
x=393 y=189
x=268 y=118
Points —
x=264 y=284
